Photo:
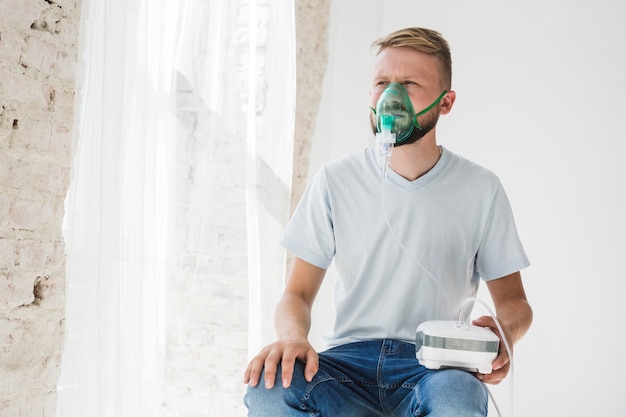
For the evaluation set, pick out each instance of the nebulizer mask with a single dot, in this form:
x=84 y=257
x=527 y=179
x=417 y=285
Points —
x=395 y=116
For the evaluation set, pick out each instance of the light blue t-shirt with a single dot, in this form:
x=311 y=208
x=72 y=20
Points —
x=451 y=227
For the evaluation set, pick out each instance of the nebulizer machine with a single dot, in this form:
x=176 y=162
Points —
x=440 y=344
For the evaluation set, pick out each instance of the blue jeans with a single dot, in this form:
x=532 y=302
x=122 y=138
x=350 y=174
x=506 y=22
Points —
x=371 y=379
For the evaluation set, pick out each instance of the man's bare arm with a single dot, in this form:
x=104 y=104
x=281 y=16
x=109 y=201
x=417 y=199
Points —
x=293 y=322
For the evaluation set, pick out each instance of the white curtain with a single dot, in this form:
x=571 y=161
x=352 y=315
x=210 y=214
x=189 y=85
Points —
x=118 y=210
x=125 y=236
x=269 y=160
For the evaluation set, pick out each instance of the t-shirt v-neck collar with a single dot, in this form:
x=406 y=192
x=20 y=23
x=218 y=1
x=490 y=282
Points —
x=420 y=182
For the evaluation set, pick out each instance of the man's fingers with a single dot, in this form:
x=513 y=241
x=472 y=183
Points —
x=502 y=359
x=253 y=371
x=285 y=355
x=249 y=377
x=312 y=365
x=271 y=363
x=287 y=371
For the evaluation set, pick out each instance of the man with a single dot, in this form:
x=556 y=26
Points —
x=410 y=244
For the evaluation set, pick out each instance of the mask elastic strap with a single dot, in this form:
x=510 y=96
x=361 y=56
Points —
x=433 y=104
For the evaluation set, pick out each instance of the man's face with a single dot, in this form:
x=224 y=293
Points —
x=419 y=74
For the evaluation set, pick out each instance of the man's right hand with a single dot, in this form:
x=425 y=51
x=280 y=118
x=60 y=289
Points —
x=286 y=352
x=293 y=321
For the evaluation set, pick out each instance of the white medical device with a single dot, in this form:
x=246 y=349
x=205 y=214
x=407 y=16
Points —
x=451 y=344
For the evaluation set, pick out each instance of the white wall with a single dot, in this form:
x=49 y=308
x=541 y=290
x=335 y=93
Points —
x=541 y=100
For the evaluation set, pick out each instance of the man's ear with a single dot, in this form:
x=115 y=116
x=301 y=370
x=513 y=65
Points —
x=447 y=102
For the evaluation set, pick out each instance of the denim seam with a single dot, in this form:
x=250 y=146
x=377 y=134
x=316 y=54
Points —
x=313 y=384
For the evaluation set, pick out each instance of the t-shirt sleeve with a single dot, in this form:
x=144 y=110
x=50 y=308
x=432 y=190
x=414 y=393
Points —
x=501 y=252
x=309 y=235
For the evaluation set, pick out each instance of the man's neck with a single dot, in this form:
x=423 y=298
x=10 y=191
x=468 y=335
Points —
x=414 y=160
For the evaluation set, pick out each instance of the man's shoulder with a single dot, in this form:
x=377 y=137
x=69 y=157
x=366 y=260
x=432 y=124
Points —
x=471 y=169
x=356 y=160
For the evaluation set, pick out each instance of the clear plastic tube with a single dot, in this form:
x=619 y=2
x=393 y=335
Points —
x=385 y=149
x=464 y=320
x=386 y=162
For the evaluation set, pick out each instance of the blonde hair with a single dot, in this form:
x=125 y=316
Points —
x=423 y=40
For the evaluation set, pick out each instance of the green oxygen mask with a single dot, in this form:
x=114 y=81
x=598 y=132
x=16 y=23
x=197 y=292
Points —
x=395 y=114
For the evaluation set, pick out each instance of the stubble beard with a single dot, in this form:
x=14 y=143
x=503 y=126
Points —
x=428 y=122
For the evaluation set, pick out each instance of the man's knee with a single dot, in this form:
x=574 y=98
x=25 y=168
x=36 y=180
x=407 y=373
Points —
x=276 y=401
x=453 y=393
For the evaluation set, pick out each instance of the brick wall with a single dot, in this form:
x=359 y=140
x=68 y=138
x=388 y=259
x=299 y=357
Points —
x=312 y=22
x=37 y=70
